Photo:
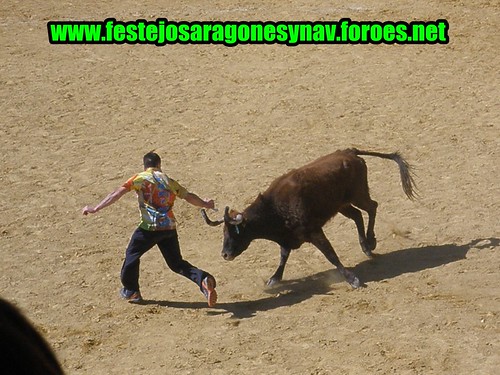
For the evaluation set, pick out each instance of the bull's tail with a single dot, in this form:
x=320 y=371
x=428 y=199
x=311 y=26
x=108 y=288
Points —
x=405 y=170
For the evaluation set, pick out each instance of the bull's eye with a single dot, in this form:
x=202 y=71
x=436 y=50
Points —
x=237 y=229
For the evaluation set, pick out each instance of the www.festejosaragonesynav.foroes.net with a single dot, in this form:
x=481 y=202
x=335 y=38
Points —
x=161 y=32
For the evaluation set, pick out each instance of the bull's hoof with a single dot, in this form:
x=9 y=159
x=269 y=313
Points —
x=367 y=251
x=352 y=279
x=367 y=246
x=273 y=281
x=355 y=283
x=372 y=243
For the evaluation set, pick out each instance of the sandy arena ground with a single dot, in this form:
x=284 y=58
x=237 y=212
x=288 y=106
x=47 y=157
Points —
x=76 y=120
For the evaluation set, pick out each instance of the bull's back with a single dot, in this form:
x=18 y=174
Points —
x=315 y=192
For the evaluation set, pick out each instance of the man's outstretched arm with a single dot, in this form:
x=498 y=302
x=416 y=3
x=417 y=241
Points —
x=197 y=201
x=110 y=199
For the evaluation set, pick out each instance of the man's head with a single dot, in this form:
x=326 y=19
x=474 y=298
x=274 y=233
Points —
x=151 y=160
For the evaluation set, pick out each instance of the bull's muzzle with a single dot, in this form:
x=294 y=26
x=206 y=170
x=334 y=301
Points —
x=226 y=256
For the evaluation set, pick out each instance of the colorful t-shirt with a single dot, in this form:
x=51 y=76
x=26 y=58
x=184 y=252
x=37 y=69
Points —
x=156 y=193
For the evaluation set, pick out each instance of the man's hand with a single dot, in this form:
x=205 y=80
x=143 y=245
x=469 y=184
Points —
x=210 y=204
x=88 y=210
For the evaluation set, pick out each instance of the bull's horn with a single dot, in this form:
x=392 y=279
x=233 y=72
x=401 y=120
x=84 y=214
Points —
x=236 y=221
x=208 y=221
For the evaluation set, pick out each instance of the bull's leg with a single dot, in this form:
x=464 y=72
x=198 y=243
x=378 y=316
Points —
x=278 y=275
x=369 y=206
x=361 y=199
x=319 y=240
x=354 y=214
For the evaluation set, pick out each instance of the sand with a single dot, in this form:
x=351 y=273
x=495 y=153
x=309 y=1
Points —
x=76 y=120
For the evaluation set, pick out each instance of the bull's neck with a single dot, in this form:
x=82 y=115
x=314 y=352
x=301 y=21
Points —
x=262 y=221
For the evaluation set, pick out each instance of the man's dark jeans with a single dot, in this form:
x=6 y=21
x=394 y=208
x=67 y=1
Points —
x=168 y=243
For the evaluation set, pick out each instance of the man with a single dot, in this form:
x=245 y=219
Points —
x=156 y=193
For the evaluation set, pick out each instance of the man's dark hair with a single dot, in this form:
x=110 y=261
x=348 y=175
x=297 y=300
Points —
x=151 y=160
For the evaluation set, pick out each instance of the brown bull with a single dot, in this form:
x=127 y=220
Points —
x=297 y=205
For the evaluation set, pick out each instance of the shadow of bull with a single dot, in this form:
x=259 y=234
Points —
x=382 y=267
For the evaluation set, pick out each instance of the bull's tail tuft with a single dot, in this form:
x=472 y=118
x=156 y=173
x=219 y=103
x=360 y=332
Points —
x=405 y=170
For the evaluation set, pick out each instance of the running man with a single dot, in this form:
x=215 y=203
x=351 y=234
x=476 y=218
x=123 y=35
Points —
x=156 y=193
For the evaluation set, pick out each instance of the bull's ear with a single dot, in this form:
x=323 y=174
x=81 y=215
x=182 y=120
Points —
x=238 y=219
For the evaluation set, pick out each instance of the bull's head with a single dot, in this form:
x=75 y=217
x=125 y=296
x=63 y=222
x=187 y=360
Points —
x=236 y=238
